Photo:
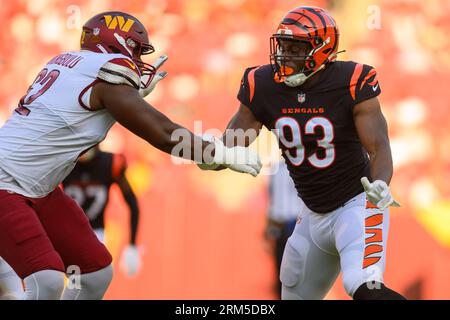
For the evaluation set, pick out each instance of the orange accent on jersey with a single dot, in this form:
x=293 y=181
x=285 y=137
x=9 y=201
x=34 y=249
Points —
x=371 y=73
x=251 y=82
x=354 y=79
x=377 y=235
x=118 y=165
x=373 y=248
x=374 y=82
x=374 y=220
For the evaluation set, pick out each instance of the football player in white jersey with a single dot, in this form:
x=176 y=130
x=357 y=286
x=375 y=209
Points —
x=69 y=108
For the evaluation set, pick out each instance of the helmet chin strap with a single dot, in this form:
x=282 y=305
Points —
x=298 y=79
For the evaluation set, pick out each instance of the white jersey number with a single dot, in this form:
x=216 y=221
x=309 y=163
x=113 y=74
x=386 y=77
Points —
x=296 y=152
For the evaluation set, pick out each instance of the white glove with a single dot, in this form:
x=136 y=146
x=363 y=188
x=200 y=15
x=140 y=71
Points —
x=378 y=193
x=143 y=92
x=131 y=260
x=240 y=159
x=209 y=166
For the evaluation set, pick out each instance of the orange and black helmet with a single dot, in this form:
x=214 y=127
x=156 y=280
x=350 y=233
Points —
x=316 y=28
x=118 y=32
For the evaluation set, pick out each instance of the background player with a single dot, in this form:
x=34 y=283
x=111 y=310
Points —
x=69 y=108
x=89 y=185
x=332 y=134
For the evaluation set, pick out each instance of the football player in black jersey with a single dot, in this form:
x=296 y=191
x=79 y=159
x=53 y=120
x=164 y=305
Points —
x=334 y=139
x=89 y=184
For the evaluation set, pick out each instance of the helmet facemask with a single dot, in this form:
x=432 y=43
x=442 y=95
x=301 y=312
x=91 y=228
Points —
x=290 y=56
x=147 y=70
x=295 y=66
x=136 y=50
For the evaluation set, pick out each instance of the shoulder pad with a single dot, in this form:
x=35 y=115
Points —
x=120 y=71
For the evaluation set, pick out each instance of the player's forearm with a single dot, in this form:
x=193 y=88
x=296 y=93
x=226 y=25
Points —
x=242 y=129
x=381 y=167
x=174 y=139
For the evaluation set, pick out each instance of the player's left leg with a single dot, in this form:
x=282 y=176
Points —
x=309 y=268
x=360 y=233
x=10 y=284
x=86 y=259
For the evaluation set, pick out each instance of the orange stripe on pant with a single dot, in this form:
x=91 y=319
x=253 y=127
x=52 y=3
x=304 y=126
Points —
x=376 y=236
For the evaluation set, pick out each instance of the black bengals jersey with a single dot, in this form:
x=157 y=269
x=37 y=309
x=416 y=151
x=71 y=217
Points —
x=89 y=184
x=315 y=127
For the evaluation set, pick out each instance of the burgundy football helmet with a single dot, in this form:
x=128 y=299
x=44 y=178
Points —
x=119 y=32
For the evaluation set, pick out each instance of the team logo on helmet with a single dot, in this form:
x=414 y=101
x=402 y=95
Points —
x=118 y=21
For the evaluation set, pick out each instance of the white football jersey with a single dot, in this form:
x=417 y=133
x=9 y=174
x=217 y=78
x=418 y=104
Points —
x=41 y=142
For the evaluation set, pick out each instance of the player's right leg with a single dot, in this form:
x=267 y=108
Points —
x=307 y=271
x=26 y=248
x=361 y=236
x=86 y=259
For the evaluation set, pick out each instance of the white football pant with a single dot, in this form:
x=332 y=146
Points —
x=351 y=238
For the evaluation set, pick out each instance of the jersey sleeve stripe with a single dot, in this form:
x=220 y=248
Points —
x=118 y=74
x=251 y=82
x=83 y=92
x=371 y=73
x=354 y=79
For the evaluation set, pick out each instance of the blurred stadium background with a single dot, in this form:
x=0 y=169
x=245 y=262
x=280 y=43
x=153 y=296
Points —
x=202 y=233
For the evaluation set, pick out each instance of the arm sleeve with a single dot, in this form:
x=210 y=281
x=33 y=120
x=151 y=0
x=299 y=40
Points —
x=246 y=94
x=364 y=83
x=120 y=71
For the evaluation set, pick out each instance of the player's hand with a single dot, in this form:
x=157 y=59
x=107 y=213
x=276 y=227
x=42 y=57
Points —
x=159 y=75
x=131 y=260
x=209 y=166
x=378 y=193
x=240 y=159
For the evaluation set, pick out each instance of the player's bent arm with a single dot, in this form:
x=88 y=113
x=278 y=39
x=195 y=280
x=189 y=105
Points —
x=131 y=200
x=125 y=104
x=242 y=129
x=373 y=133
